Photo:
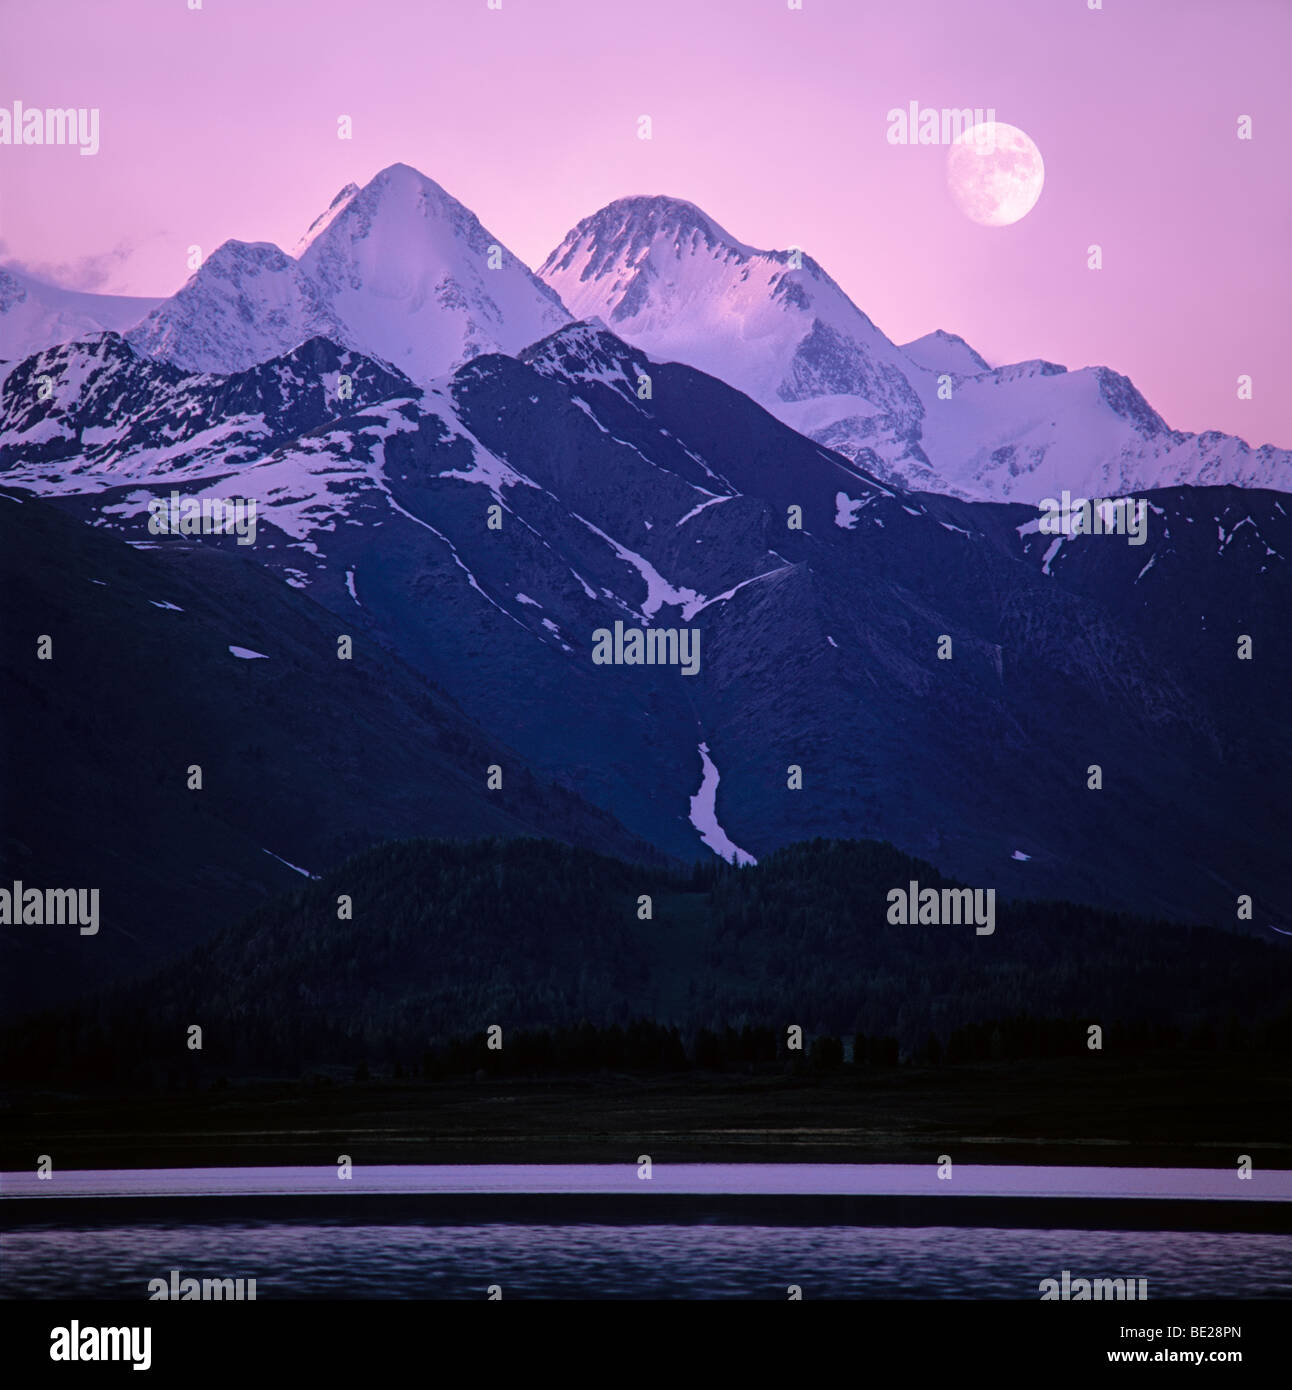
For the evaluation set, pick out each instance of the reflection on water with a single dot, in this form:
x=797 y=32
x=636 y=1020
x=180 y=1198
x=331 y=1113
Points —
x=585 y=1261
x=971 y=1179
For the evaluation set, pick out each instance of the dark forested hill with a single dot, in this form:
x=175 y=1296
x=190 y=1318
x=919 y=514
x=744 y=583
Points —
x=449 y=939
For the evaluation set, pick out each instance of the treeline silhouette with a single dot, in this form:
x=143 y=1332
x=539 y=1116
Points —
x=405 y=956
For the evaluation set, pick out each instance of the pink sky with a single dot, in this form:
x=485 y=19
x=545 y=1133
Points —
x=221 y=123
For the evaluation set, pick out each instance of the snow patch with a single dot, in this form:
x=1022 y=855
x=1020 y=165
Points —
x=695 y=511
x=846 y=509
x=304 y=872
x=700 y=603
x=704 y=815
x=658 y=590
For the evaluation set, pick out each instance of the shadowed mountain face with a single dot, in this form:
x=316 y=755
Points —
x=900 y=666
x=188 y=657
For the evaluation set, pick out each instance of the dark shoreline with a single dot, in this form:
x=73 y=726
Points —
x=1185 y=1111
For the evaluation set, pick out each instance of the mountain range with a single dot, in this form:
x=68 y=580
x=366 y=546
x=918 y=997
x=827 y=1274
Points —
x=931 y=415
x=469 y=481
x=403 y=273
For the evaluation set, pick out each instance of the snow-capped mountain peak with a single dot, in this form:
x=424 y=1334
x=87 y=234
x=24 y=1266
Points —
x=588 y=351
x=624 y=233
x=398 y=270
x=941 y=351
x=932 y=415
x=248 y=303
x=669 y=278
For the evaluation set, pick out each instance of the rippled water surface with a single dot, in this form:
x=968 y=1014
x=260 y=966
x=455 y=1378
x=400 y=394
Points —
x=624 y=1262
x=349 y=1258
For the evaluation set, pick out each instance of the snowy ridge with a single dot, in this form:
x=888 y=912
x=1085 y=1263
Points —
x=940 y=351
x=113 y=416
x=668 y=278
x=398 y=270
x=403 y=274
x=772 y=323
x=35 y=316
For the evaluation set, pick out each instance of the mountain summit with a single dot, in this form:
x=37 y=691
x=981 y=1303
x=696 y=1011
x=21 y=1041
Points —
x=931 y=415
x=398 y=270
x=771 y=323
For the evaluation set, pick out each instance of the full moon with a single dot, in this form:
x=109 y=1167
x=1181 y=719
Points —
x=995 y=173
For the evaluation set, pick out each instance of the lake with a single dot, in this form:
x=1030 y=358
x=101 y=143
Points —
x=57 y=1254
